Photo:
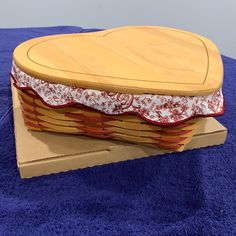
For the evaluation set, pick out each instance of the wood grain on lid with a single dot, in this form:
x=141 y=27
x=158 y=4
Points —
x=135 y=60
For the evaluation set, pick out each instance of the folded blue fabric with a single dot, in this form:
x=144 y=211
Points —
x=189 y=193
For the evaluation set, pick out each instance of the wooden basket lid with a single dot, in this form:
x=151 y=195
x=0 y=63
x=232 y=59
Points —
x=134 y=60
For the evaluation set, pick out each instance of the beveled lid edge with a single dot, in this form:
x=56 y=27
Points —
x=215 y=69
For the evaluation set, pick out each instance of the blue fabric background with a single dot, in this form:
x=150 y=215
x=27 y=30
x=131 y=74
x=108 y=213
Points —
x=190 y=193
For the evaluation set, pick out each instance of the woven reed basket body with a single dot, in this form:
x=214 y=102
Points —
x=82 y=119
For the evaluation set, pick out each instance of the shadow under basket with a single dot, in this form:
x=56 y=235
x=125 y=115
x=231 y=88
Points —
x=81 y=120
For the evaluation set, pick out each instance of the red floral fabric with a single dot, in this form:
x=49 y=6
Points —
x=161 y=109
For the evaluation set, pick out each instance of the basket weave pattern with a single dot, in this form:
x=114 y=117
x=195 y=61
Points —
x=79 y=119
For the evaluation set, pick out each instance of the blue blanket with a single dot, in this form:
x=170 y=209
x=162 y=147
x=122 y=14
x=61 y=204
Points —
x=190 y=193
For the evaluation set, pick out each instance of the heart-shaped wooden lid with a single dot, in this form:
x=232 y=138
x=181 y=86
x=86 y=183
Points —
x=134 y=60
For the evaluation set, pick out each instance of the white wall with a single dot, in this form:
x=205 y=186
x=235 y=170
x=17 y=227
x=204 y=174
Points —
x=215 y=19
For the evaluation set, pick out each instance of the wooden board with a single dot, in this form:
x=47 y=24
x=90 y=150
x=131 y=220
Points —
x=41 y=153
x=135 y=60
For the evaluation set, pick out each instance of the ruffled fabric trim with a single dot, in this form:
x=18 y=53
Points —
x=158 y=109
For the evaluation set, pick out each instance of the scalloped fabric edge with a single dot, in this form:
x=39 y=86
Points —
x=158 y=109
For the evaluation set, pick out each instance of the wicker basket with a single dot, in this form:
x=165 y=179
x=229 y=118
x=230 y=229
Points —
x=143 y=63
x=84 y=121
